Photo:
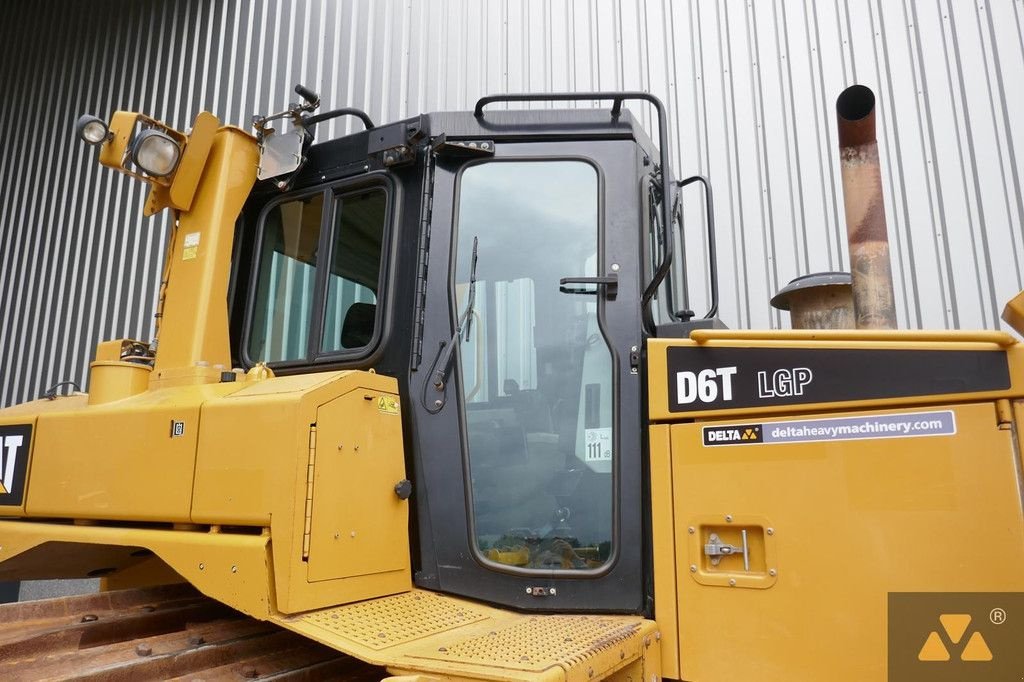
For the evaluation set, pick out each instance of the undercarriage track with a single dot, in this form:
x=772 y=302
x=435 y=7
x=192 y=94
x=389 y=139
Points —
x=162 y=633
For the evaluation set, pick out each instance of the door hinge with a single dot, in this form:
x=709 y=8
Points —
x=307 y=526
x=420 y=299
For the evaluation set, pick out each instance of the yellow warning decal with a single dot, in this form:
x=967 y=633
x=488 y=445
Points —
x=191 y=246
x=388 y=404
x=3 y=490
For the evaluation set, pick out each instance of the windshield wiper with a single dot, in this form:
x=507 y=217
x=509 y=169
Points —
x=443 y=365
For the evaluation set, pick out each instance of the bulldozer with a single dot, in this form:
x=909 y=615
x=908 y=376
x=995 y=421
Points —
x=427 y=401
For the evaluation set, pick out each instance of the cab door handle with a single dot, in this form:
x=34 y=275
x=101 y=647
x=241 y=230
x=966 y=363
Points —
x=609 y=282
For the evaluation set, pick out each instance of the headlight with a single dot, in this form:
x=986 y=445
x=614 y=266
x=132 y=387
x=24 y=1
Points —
x=155 y=153
x=91 y=130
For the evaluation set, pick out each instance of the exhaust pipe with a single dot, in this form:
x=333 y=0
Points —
x=873 y=301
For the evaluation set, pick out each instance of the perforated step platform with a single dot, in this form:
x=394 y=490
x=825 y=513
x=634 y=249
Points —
x=427 y=633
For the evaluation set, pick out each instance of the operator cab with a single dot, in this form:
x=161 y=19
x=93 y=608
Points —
x=505 y=266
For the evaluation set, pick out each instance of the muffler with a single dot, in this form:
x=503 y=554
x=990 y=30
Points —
x=873 y=300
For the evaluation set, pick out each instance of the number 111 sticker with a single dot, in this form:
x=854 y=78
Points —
x=598 y=445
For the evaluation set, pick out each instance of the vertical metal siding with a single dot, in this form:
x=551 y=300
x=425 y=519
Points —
x=751 y=87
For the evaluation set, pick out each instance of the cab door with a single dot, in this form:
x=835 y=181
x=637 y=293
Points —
x=528 y=442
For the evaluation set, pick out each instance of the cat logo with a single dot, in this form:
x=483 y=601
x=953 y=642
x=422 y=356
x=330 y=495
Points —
x=14 y=448
x=955 y=625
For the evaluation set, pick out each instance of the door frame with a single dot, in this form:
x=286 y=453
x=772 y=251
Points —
x=448 y=558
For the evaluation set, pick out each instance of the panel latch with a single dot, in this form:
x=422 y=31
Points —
x=716 y=549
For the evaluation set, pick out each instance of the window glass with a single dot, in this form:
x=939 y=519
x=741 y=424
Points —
x=287 y=276
x=352 y=283
x=535 y=369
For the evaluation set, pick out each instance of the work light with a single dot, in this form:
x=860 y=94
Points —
x=91 y=130
x=155 y=153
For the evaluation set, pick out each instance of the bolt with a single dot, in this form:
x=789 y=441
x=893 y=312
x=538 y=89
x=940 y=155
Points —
x=340 y=446
x=772 y=572
x=234 y=569
x=529 y=590
x=647 y=641
x=250 y=672
x=89 y=618
x=615 y=267
x=202 y=566
x=732 y=582
x=657 y=636
x=356 y=448
x=770 y=531
x=691 y=530
x=590 y=672
x=143 y=650
x=622 y=655
x=337 y=535
x=438 y=403
x=353 y=533
x=693 y=568
x=442 y=649
x=728 y=518
x=196 y=640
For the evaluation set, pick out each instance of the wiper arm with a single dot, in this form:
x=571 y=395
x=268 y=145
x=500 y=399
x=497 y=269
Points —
x=443 y=365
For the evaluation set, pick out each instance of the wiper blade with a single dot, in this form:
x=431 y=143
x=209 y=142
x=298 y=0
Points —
x=446 y=355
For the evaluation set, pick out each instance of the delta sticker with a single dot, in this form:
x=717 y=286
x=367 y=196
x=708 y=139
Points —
x=388 y=404
x=728 y=435
x=15 y=442
x=904 y=425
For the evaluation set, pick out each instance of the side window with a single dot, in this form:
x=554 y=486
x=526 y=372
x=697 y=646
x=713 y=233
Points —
x=351 y=309
x=282 y=311
x=293 y=257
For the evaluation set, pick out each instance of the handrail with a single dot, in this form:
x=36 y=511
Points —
x=998 y=338
x=335 y=113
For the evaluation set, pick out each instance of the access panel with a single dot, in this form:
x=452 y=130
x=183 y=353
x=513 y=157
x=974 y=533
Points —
x=792 y=533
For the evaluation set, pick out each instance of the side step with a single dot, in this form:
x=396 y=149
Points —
x=162 y=633
x=420 y=634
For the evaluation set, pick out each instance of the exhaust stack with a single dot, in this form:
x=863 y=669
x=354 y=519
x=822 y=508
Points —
x=873 y=301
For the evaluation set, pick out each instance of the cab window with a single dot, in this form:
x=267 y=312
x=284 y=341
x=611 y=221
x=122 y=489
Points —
x=318 y=276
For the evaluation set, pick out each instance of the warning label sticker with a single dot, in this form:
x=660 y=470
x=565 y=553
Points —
x=388 y=404
x=191 y=246
x=905 y=425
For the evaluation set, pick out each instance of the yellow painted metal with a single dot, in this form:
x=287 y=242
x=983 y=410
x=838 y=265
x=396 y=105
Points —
x=663 y=541
x=421 y=633
x=120 y=460
x=194 y=324
x=658 y=375
x=851 y=521
x=1013 y=313
x=193 y=161
x=359 y=525
x=231 y=568
x=111 y=380
x=252 y=469
x=916 y=336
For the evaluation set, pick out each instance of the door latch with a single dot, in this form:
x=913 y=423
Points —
x=716 y=549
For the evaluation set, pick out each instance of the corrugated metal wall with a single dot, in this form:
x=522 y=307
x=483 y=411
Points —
x=751 y=86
